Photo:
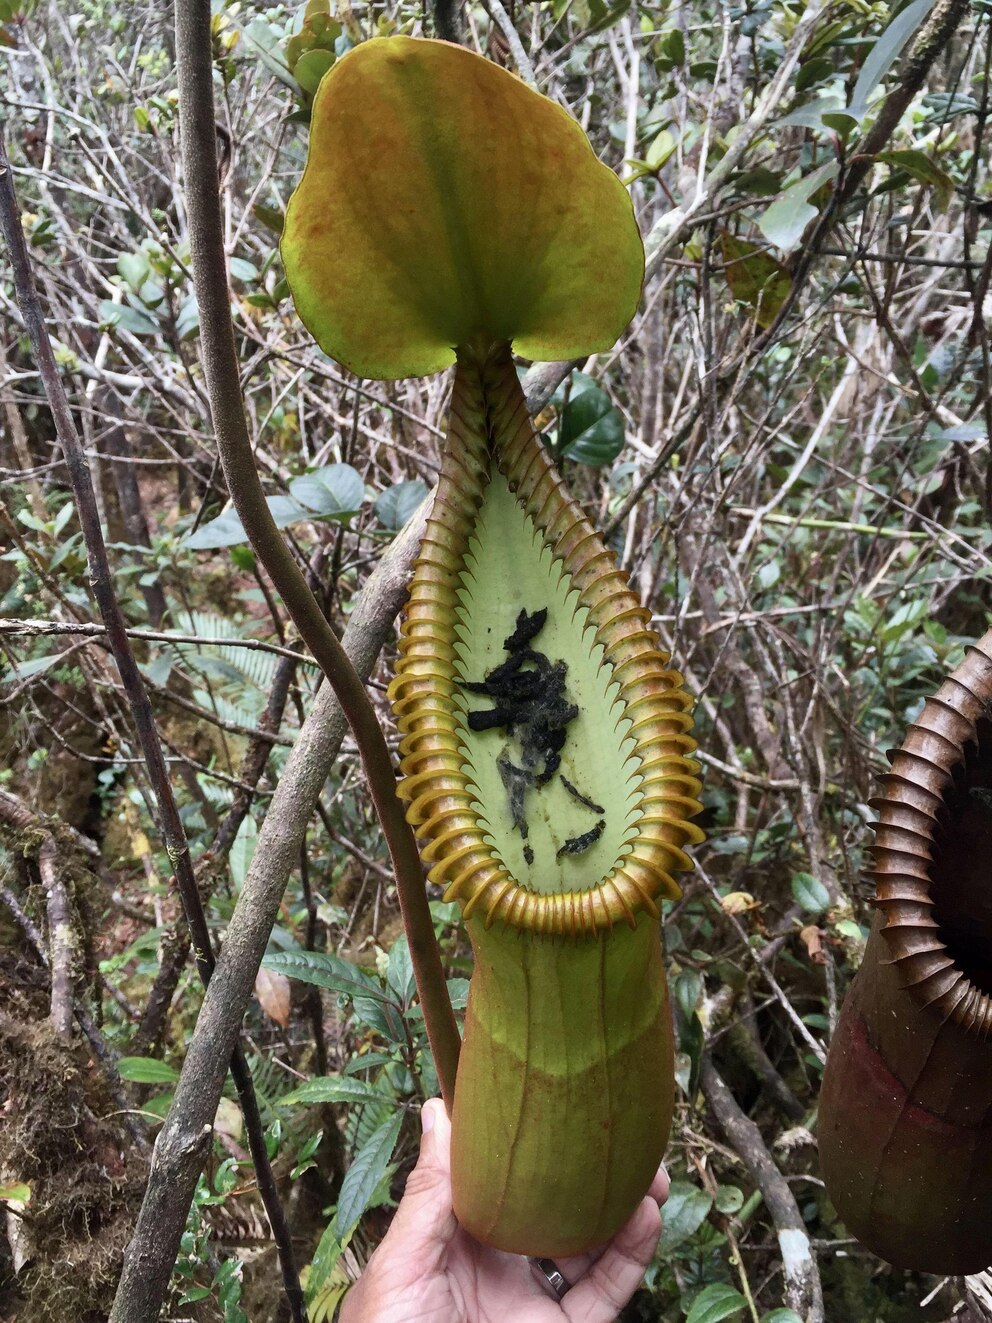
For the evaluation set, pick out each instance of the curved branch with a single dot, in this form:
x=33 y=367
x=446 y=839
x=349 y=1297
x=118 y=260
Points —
x=198 y=140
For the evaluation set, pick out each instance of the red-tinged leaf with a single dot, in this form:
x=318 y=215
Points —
x=918 y=164
x=812 y=939
x=272 y=991
x=756 y=279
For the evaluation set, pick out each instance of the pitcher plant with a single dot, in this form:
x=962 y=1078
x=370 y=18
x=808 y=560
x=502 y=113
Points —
x=905 y=1126
x=447 y=213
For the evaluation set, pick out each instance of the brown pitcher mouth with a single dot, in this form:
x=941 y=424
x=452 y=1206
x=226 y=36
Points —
x=933 y=848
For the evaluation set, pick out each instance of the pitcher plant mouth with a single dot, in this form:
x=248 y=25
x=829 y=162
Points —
x=527 y=823
x=905 y=1118
x=933 y=843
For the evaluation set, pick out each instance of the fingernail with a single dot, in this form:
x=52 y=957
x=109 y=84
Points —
x=427 y=1118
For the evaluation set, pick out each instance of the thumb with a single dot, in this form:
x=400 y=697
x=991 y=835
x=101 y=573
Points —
x=424 y=1221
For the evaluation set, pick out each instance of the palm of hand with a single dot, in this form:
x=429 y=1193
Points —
x=428 y=1270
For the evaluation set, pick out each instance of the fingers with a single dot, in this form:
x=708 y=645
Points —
x=435 y=1141
x=617 y=1273
x=424 y=1221
x=660 y=1186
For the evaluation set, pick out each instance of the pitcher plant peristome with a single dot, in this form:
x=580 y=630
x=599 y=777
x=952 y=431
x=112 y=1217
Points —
x=446 y=212
x=905 y=1124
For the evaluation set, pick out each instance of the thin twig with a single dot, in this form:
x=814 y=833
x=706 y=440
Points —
x=941 y=24
x=42 y=627
x=61 y=937
x=520 y=57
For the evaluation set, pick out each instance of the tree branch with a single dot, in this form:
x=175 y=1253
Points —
x=803 y=1292
x=931 y=39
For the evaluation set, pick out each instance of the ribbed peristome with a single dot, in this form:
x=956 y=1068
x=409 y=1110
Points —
x=489 y=424
x=908 y=835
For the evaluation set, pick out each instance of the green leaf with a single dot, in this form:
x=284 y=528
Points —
x=135 y=269
x=812 y=72
x=270 y=217
x=685 y=1212
x=286 y=511
x=715 y=1303
x=375 y=1007
x=63 y=517
x=194 y=1294
x=266 y=40
x=243 y=270
x=396 y=504
x=398 y=248
x=785 y=220
x=368 y=1061
x=945 y=106
x=921 y=167
x=611 y=16
x=688 y=991
x=159 y=1105
x=333 y=1089
x=769 y=574
x=399 y=971
x=188 y=318
x=19 y=1193
x=673 y=47
x=973 y=431
x=324 y=970
x=227 y=529
x=810 y=893
x=840 y=122
x=904 y=620
x=19 y=671
x=242 y=852
x=324 y=1262
x=146 y=1070
x=662 y=147
x=364 y=1175
x=591 y=429
x=781 y=1316
x=125 y=318
x=310 y=68
x=885 y=52
x=335 y=491
x=811 y=115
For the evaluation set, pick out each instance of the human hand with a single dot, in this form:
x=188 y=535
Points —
x=429 y=1270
